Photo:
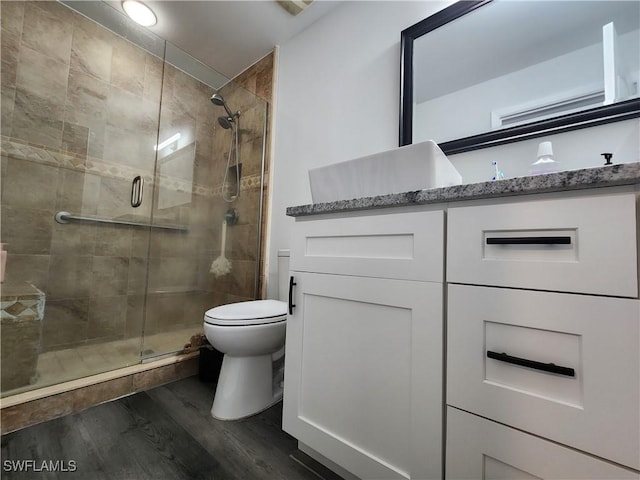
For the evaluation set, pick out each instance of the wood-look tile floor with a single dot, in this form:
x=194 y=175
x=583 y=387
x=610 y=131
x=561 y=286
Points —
x=164 y=433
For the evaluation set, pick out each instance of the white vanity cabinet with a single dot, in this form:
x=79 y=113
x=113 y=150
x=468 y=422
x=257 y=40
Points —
x=363 y=375
x=478 y=448
x=543 y=348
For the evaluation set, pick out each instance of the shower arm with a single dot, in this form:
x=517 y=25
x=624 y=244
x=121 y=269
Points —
x=228 y=110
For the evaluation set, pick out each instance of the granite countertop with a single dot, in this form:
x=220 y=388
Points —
x=614 y=175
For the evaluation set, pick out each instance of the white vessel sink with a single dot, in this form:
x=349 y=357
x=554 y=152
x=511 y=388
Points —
x=413 y=167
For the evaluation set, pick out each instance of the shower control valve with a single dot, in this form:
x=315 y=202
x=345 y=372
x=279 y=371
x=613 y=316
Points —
x=231 y=216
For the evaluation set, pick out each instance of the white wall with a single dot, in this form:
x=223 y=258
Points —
x=576 y=149
x=337 y=98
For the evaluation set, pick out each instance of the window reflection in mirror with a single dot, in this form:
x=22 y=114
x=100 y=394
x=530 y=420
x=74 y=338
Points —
x=510 y=63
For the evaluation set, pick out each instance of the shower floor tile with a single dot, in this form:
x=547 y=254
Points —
x=173 y=341
x=85 y=360
x=164 y=433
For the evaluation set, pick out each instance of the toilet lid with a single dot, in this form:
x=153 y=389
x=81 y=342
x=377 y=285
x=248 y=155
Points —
x=247 y=313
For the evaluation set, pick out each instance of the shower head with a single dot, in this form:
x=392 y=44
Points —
x=226 y=122
x=219 y=100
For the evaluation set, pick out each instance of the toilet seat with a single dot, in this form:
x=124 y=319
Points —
x=256 y=312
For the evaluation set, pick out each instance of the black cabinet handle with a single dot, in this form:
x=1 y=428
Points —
x=564 y=240
x=291 y=285
x=523 y=362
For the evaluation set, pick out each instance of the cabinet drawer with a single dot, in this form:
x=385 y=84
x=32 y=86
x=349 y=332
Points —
x=404 y=246
x=479 y=448
x=595 y=408
x=583 y=245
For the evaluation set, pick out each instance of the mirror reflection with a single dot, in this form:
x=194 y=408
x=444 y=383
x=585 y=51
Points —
x=512 y=63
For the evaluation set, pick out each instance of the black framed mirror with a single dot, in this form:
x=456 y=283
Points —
x=483 y=73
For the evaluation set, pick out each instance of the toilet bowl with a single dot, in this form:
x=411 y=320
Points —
x=249 y=334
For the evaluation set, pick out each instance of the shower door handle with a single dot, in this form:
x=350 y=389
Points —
x=136 y=191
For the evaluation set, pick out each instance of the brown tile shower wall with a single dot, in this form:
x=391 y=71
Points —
x=80 y=109
x=242 y=238
x=258 y=80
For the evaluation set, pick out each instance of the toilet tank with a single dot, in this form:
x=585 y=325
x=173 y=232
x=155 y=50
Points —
x=283 y=275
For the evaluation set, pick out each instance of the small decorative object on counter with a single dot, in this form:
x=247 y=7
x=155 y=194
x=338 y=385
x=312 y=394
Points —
x=607 y=157
x=545 y=162
x=3 y=261
x=498 y=174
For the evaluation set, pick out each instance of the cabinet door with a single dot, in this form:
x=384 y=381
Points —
x=481 y=449
x=363 y=374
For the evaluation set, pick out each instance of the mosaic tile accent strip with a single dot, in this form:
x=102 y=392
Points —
x=251 y=182
x=10 y=147
x=24 y=151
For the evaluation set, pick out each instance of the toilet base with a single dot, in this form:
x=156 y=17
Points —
x=245 y=387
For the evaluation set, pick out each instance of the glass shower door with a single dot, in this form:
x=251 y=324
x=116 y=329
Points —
x=113 y=195
x=80 y=109
x=191 y=167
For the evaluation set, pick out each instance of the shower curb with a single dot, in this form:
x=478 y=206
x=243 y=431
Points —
x=30 y=408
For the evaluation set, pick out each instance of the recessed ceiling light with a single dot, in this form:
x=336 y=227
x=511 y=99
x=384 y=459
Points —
x=139 y=13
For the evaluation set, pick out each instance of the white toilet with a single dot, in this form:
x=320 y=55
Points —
x=251 y=336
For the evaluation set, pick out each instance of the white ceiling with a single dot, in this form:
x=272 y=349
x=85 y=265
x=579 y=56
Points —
x=231 y=35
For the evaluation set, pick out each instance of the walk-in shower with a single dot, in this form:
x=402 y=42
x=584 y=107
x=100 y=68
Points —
x=107 y=286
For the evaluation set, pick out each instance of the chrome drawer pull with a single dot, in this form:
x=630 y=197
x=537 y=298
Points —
x=565 y=240
x=523 y=362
